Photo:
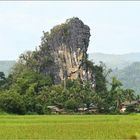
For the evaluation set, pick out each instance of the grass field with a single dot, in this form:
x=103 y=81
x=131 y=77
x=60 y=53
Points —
x=70 y=127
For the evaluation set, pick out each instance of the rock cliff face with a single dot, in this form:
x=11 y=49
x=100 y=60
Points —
x=66 y=45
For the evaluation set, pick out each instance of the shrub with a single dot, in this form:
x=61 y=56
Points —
x=12 y=103
x=131 y=108
x=71 y=104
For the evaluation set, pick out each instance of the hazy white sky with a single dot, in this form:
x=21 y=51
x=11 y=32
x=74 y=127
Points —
x=115 y=26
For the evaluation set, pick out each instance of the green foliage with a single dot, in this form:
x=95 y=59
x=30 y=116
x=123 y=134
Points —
x=100 y=79
x=12 y=103
x=2 y=76
x=31 y=82
x=115 y=84
x=29 y=101
x=63 y=28
x=98 y=72
x=31 y=92
x=71 y=104
x=28 y=91
x=130 y=95
x=2 y=80
x=131 y=109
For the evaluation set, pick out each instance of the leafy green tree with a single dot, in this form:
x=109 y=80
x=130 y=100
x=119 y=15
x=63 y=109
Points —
x=41 y=103
x=30 y=102
x=2 y=76
x=99 y=102
x=137 y=97
x=115 y=84
x=71 y=104
x=116 y=94
x=2 y=80
x=87 y=95
x=12 y=103
x=30 y=81
x=119 y=98
x=100 y=79
x=129 y=94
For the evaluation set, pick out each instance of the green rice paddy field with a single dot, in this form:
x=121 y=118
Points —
x=70 y=127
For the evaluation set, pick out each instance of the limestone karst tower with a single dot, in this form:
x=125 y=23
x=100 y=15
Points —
x=67 y=45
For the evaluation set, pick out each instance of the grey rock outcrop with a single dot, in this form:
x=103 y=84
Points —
x=67 y=45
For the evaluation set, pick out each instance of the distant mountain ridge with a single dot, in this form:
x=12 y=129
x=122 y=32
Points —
x=130 y=76
x=125 y=67
x=115 y=61
x=6 y=65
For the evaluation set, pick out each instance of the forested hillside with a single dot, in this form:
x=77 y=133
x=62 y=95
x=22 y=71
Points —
x=130 y=76
x=125 y=67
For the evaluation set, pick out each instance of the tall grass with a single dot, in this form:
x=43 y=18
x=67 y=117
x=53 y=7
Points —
x=70 y=127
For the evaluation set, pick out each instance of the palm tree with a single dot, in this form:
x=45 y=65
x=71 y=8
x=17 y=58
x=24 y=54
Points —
x=119 y=98
x=116 y=93
x=130 y=95
x=138 y=97
x=115 y=84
